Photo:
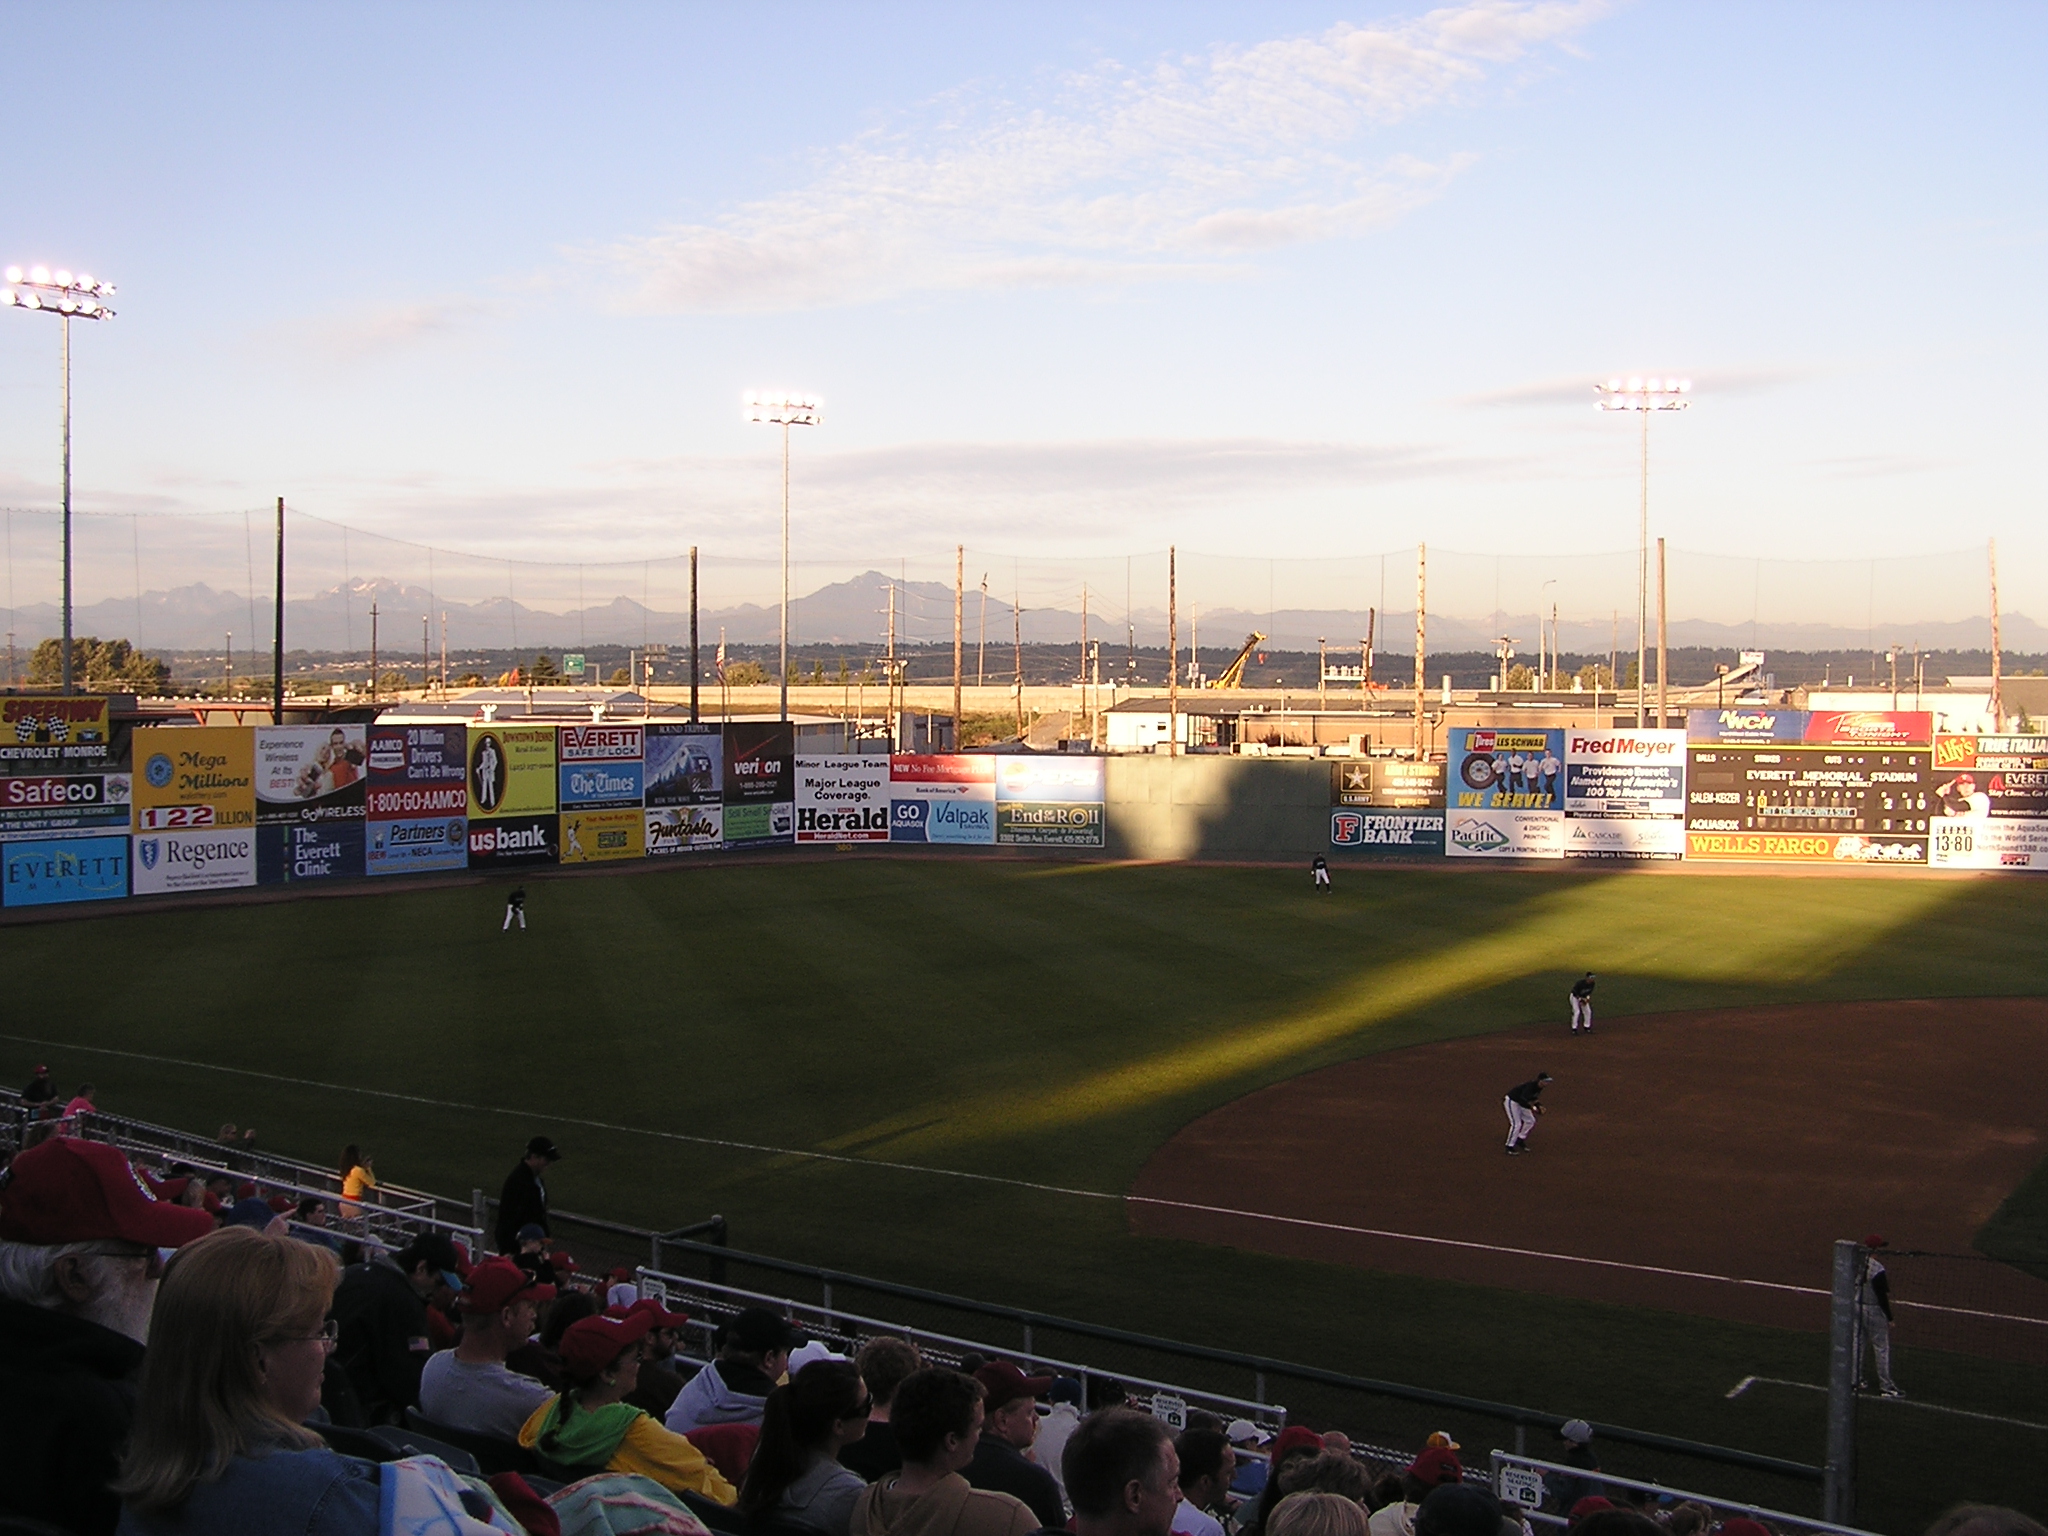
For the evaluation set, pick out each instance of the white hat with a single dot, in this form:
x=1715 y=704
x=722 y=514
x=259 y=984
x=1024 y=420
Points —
x=810 y=1354
x=1243 y=1432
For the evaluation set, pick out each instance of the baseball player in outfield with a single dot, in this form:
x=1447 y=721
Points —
x=1523 y=1107
x=1582 y=1004
x=1320 y=867
x=515 y=906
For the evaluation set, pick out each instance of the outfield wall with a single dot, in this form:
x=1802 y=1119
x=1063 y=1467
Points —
x=90 y=813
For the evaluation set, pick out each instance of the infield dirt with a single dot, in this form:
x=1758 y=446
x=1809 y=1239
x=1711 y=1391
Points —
x=1735 y=1143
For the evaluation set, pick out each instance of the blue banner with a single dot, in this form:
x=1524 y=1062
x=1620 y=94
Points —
x=43 y=871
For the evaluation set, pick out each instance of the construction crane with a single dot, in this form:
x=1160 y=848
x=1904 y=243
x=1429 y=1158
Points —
x=1233 y=674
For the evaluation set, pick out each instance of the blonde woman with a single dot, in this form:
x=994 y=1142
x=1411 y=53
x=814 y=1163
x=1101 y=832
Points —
x=237 y=1345
x=1318 y=1514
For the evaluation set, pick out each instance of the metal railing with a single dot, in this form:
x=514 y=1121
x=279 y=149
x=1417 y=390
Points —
x=1653 y=1449
x=1524 y=1484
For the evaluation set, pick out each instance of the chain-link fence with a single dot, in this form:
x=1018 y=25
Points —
x=201 y=587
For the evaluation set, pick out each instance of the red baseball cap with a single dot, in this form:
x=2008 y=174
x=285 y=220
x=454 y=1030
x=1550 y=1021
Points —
x=1436 y=1466
x=496 y=1283
x=590 y=1344
x=1005 y=1384
x=663 y=1318
x=73 y=1191
x=1874 y=1241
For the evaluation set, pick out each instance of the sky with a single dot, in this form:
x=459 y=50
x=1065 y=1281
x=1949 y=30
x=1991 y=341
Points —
x=1290 y=281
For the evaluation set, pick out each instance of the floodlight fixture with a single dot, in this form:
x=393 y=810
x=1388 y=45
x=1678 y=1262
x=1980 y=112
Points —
x=785 y=409
x=1644 y=396
x=69 y=297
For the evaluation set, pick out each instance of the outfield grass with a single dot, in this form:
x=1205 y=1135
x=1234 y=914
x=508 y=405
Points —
x=1039 y=1022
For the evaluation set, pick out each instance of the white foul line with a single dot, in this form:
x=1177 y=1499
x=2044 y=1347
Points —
x=1747 y=1382
x=957 y=1173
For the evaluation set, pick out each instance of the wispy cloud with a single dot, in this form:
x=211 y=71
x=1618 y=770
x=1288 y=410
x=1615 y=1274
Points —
x=379 y=330
x=1186 y=167
x=1577 y=389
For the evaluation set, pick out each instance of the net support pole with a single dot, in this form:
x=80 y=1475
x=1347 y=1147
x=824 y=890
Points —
x=1421 y=665
x=1663 y=676
x=1838 y=1472
x=694 y=658
x=1172 y=652
x=277 y=629
x=959 y=608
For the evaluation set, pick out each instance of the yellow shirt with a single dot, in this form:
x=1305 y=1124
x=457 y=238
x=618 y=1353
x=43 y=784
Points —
x=358 y=1181
x=651 y=1451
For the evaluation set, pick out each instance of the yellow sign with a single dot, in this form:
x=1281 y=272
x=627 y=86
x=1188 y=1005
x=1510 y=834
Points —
x=590 y=836
x=511 y=770
x=194 y=776
x=45 y=733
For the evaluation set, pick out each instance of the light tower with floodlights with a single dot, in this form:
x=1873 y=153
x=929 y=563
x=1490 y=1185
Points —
x=69 y=297
x=785 y=410
x=1644 y=395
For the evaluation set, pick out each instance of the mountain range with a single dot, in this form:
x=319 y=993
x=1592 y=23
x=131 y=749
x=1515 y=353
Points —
x=854 y=612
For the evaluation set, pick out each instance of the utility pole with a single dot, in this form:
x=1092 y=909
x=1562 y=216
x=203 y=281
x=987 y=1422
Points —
x=694 y=659
x=890 y=663
x=1084 y=645
x=1997 y=661
x=1017 y=633
x=426 y=653
x=227 y=680
x=981 y=652
x=373 y=651
x=1172 y=652
x=1663 y=680
x=444 y=653
x=959 y=599
x=277 y=633
x=1365 y=653
x=1421 y=603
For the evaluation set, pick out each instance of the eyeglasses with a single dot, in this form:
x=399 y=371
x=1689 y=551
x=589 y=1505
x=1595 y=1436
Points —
x=862 y=1408
x=328 y=1336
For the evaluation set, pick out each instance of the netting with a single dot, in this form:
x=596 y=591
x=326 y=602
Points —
x=184 y=583
x=1968 y=1304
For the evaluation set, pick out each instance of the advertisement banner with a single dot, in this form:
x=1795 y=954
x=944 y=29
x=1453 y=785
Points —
x=1753 y=724
x=591 y=837
x=1390 y=834
x=1506 y=791
x=685 y=765
x=193 y=776
x=1870 y=728
x=685 y=829
x=1388 y=783
x=1624 y=794
x=1983 y=843
x=44 y=733
x=32 y=805
x=1990 y=802
x=760 y=783
x=1504 y=834
x=942 y=798
x=505 y=841
x=417 y=845
x=1808 y=804
x=511 y=771
x=1059 y=778
x=601 y=765
x=206 y=859
x=44 y=871
x=311 y=774
x=318 y=850
x=1050 y=824
x=842 y=799
x=418 y=771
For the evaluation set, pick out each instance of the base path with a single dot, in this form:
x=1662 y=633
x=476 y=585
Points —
x=1733 y=1143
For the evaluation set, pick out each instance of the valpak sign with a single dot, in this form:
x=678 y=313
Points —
x=943 y=798
x=842 y=799
x=209 y=859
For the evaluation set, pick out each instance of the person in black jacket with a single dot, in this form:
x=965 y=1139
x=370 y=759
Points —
x=999 y=1464
x=524 y=1199
x=380 y=1310
x=81 y=1236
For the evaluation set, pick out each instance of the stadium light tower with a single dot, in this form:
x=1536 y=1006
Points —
x=1644 y=395
x=785 y=410
x=69 y=297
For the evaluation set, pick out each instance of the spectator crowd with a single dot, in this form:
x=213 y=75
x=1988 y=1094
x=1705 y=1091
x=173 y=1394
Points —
x=181 y=1354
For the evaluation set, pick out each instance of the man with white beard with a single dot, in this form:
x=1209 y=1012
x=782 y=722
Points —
x=81 y=1246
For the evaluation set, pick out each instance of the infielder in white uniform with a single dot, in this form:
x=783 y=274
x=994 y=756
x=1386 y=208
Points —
x=1582 y=1004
